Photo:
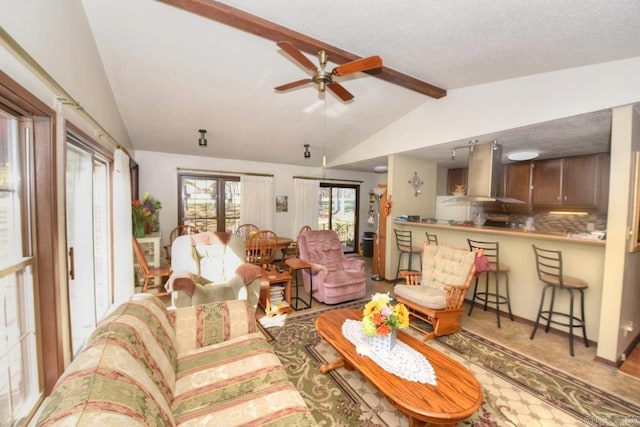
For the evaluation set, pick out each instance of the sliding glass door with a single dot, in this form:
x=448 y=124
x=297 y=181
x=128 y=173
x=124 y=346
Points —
x=88 y=243
x=338 y=209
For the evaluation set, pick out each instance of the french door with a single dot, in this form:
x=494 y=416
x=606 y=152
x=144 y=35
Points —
x=209 y=202
x=338 y=208
x=88 y=243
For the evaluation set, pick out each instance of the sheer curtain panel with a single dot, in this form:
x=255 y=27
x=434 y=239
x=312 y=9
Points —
x=257 y=201
x=306 y=193
x=122 y=229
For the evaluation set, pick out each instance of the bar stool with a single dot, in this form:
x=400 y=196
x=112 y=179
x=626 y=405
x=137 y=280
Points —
x=492 y=252
x=432 y=239
x=405 y=246
x=549 y=267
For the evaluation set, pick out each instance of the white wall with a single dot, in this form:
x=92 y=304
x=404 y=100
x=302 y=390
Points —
x=57 y=35
x=158 y=175
x=405 y=202
x=621 y=287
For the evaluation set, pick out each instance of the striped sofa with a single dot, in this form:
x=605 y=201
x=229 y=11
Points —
x=203 y=365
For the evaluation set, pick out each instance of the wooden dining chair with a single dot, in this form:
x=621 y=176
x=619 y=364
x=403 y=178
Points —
x=181 y=230
x=293 y=250
x=148 y=272
x=246 y=231
x=262 y=247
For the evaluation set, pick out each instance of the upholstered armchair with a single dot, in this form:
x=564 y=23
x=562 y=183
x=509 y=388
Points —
x=435 y=295
x=210 y=267
x=335 y=277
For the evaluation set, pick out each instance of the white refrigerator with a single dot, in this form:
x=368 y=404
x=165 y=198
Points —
x=451 y=208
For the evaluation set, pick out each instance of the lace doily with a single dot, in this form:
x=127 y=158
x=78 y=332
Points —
x=402 y=360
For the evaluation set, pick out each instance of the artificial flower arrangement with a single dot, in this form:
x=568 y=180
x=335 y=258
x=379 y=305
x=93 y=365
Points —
x=144 y=212
x=380 y=317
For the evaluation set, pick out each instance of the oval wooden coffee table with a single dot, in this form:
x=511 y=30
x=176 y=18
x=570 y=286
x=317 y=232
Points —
x=456 y=396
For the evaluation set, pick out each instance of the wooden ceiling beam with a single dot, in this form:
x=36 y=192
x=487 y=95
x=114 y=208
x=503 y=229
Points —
x=253 y=24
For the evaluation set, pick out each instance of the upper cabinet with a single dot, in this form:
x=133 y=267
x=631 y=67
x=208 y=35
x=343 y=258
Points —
x=571 y=182
x=517 y=185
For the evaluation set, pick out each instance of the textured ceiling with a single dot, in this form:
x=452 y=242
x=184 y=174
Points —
x=173 y=72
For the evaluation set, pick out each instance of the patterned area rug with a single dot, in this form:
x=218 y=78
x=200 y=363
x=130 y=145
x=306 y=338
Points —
x=518 y=391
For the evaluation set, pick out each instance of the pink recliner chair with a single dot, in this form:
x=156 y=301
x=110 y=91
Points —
x=335 y=277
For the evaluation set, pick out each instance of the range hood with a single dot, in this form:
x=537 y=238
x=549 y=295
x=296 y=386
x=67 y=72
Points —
x=483 y=175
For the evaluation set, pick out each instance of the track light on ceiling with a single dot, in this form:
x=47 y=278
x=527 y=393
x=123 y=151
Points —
x=470 y=145
x=307 y=153
x=202 y=142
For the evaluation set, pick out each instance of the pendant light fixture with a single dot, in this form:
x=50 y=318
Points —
x=202 y=142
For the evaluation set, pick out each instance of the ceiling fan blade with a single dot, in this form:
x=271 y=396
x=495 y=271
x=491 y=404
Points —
x=293 y=84
x=362 y=64
x=297 y=55
x=340 y=91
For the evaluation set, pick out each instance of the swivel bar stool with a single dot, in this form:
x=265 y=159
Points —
x=405 y=246
x=432 y=239
x=549 y=267
x=496 y=268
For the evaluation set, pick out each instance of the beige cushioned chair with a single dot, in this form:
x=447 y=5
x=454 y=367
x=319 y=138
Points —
x=209 y=267
x=436 y=294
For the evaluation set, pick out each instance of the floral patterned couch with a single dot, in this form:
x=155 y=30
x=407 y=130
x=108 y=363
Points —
x=203 y=365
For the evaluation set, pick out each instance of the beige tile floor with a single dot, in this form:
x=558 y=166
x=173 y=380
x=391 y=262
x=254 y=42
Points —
x=549 y=348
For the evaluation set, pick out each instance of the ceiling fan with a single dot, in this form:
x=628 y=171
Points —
x=323 y=78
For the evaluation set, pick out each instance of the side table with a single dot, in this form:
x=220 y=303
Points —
x=294 y=265
x=275 y=280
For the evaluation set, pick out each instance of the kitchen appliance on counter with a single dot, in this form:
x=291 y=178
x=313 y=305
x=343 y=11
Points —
x=502 y=221
x=455 y=209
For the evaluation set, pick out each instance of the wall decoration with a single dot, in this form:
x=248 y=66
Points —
x=634 y=241
x=415 y=182
x=282 y=204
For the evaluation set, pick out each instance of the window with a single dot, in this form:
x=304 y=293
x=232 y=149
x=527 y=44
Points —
x=208 y=202
x=19 y=387
x=338 y=206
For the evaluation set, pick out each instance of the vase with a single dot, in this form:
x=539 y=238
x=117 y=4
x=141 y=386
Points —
x=155 y=221
x=382 y=344
x=138 y=229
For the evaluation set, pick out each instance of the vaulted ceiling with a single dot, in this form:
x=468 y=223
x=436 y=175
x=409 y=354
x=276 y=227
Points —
x=177 y=66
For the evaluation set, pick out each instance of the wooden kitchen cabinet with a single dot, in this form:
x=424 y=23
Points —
x=517 y=185
x=547 y=175
x=456 y=176
x=570 y=182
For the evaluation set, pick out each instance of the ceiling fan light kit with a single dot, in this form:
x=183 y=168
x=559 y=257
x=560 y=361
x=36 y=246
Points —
x=322 y=78
x=202 y=142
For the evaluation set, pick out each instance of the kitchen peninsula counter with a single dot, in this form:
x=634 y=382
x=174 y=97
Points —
x=582 y=257
x=505 y=231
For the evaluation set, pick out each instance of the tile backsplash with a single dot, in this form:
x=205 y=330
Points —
x=553 y=223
